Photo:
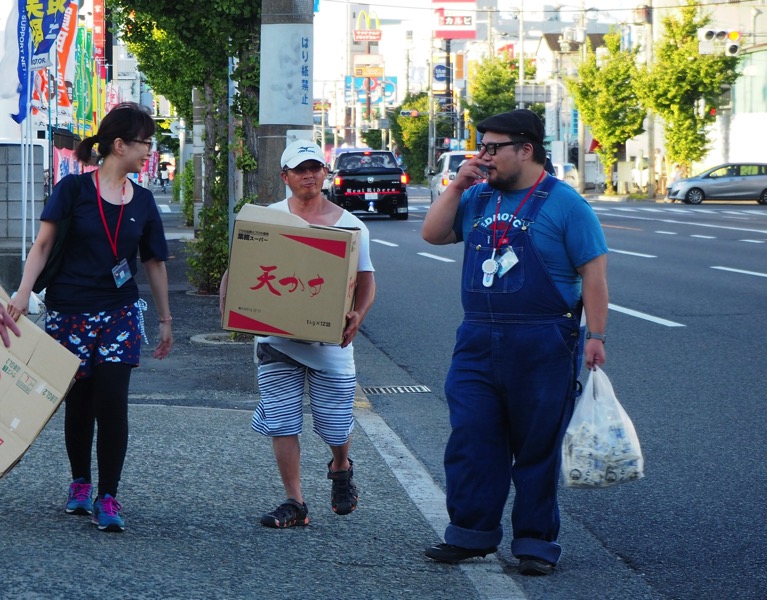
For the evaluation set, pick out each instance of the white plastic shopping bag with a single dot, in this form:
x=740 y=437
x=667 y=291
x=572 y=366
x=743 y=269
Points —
x=600 y=447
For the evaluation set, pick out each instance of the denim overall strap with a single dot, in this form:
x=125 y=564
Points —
x=510 y=394
x=526 y=291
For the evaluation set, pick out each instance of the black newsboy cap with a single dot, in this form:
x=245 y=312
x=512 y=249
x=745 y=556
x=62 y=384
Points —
x=520 y=122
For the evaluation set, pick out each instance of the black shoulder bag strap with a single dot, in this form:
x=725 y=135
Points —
x=53 y=264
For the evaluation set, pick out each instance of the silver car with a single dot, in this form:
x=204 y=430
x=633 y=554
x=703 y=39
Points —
x=445 y=170
x=741 y=181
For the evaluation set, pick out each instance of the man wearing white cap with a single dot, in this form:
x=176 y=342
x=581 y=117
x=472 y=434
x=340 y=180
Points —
x=285 y=364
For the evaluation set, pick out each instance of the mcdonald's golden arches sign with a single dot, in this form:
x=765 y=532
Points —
x=368 y=33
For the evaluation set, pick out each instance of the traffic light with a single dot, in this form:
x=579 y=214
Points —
x=409 y=113
x=732 y=43
x=712 y=34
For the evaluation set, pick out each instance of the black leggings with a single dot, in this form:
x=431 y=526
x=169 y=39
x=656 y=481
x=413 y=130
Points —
x=102 y=399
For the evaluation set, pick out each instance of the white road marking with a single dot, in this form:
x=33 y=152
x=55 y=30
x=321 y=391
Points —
x=754 y=273
x=703 y=237
x=753 y=241
x=435 y=257
x=385 y=243
x=487 y=576
x=666 y=232
x=645 y=316
x=164 y=208
x=633 y=253
x=692 y=224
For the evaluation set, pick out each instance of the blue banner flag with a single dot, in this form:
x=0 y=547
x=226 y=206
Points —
x=45 y=18
x=23 y=66
x=39 y=25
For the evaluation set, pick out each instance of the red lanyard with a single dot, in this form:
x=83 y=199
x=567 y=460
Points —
x=112 y=242
x=514 y=216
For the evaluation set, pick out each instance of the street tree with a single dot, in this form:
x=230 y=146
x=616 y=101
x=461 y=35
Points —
x=685 y=87
x=208 y=35
x=411 y=133
x=491 y=87
x=604 y=92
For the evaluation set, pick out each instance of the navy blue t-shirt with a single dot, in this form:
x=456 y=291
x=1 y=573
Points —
x=85 y=282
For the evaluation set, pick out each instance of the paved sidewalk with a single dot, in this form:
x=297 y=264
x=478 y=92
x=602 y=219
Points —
x=197 y=480
x=195 y=483
x=194 y=486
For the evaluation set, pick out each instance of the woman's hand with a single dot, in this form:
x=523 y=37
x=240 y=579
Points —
x=166 y=340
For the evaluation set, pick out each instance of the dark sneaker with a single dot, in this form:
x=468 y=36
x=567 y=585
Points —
x=290 y=513
x=447 y=553
x=80 y=501
x=106 y=514
x=529 y=565
x=343 y=496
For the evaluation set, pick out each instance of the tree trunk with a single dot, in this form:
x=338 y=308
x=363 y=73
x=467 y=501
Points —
x=208 y=157
x=248 y=78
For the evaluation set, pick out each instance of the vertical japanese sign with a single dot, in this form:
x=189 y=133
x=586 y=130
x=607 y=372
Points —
x=286 y=81
x=65 y=74
x=25 y=55
x=100 y=73
x=99 y=32
x=38 y=27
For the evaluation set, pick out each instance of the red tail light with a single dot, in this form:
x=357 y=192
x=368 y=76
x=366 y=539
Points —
x=404 y=179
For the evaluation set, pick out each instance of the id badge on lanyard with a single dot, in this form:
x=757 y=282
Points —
x=121 y=271
x=508 y=259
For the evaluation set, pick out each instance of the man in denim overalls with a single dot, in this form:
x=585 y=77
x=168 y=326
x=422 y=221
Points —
x=535 y=257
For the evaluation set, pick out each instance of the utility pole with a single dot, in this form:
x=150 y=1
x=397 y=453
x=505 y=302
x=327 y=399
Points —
x=449 y=104
x=432 y=125
x=285 y=98
x=522 y=49
x=582 y=37
x=650 y=116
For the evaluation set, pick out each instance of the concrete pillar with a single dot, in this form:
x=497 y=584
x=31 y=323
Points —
x=286 y=95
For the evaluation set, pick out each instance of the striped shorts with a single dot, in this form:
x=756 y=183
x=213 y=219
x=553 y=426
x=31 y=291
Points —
x=280 y=411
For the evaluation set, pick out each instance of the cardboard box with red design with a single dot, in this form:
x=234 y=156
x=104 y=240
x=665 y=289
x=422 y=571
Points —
x=289 y=278
x=35 y=375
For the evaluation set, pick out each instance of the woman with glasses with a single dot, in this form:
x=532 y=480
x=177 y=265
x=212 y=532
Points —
x=93 y=303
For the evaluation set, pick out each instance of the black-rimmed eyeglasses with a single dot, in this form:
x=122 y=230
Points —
x=147 y=143
x=492 y=147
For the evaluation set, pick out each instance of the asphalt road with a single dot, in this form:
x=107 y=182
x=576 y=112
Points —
x=685 y=355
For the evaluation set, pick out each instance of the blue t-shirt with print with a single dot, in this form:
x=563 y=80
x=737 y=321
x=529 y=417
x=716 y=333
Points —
x=566 y=233
x=85 y=282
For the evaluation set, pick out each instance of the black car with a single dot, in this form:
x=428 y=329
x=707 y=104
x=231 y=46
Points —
x=369 y=181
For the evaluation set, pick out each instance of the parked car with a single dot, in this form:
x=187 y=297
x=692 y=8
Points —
x=445 y=170
x=567 y=172
x=731 y=181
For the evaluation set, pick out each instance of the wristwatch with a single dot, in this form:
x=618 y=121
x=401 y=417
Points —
x=597 y=336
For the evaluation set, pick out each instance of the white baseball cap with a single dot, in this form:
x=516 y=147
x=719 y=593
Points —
x=301 y=151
